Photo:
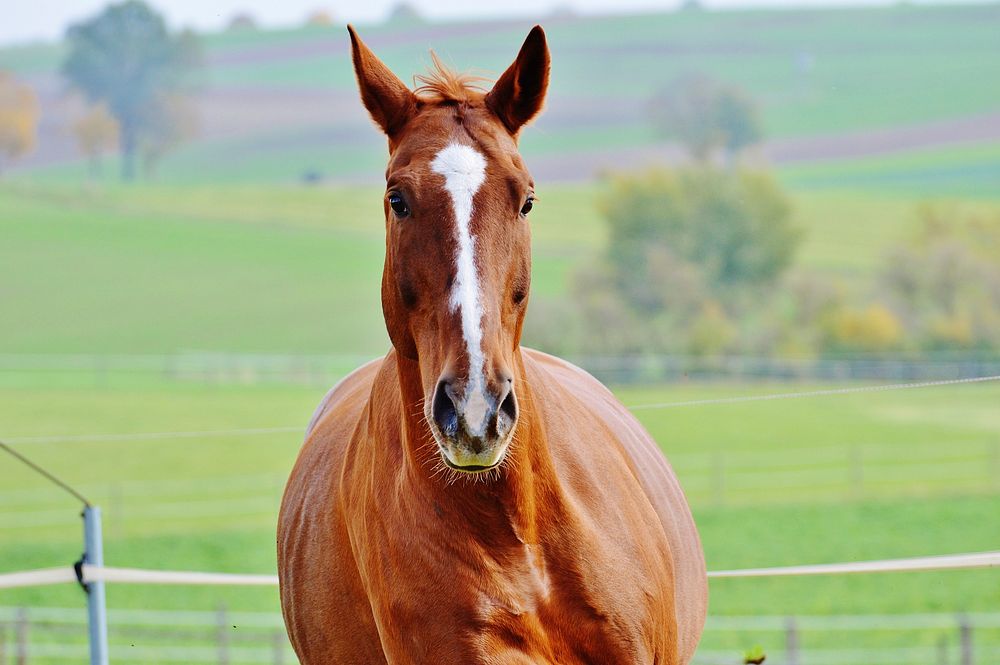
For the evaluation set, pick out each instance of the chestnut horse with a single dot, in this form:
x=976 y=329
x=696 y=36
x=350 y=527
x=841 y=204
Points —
x=463 y=499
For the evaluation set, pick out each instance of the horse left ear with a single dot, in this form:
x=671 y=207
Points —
x=519 y=93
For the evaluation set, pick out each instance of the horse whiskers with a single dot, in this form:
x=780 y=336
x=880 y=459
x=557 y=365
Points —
x=429 y=455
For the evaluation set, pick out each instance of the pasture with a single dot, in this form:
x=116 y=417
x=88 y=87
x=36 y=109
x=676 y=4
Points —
x=209 y=502
x=154 y=269
x=222 y=299
x=133 y=309
x=161 y=269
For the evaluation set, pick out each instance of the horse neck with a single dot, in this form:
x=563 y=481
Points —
x=526 y=487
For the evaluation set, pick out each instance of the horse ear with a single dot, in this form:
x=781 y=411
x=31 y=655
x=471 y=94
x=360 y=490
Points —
x=388 y=100
x=519 y=93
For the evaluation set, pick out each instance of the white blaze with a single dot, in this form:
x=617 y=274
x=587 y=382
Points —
x=464 y=170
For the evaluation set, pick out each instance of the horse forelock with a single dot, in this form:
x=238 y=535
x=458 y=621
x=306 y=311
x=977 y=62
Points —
x=442 y=83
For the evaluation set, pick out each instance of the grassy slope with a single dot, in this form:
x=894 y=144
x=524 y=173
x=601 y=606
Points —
x=884 y=62
x=870 y=68
x=274 y=269
x=240 y=269
x=971 y=171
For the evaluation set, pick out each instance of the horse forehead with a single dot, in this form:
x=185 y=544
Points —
x=463 y=168
x=440 y=129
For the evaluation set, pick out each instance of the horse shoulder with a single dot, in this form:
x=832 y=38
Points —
x=326 y=609
x=658 y=482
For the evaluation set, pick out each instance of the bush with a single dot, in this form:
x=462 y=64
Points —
x=874 y=328
x=711 y=333
x=688 y=251
x=723 y=232
x=944 y=283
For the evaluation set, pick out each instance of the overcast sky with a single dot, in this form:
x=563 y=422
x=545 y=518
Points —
x=27 y=20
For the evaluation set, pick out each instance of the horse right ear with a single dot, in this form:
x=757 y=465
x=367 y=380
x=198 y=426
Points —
x=388 y=100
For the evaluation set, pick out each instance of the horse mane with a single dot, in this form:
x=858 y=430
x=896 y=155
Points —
x=443 y=84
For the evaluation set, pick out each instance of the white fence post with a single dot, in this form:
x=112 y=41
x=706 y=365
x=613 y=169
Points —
x=97 y=616
x=21 y=630
x=791 y=642
x=965 y=635
x=222 y=634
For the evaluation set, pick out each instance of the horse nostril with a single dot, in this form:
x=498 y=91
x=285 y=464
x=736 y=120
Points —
x=443 y=410
x=508 y=411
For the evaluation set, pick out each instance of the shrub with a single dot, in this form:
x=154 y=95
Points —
x=732 y=227
x=944 y=283
x=874 y=328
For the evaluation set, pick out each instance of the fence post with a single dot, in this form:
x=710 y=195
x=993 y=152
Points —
x=97 y=617
x=278 y=640
x=21 y=635
x=965 y=635
x=791 y=642
x=222 y=635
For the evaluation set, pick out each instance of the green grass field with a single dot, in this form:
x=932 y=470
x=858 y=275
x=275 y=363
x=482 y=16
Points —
x=209 y=503
x=162 y=269
x=185 y=272
x=901 y=51
x=222 y=297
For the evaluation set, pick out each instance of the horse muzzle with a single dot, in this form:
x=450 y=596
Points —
x=473 y=423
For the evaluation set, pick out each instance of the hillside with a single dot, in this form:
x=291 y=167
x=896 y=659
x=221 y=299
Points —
x=832 y=84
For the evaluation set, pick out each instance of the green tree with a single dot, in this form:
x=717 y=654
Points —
x=705 y=115
x=126 y=58
x=693 y=259
x=738 y=120
x=404 y=14
x=734 y=226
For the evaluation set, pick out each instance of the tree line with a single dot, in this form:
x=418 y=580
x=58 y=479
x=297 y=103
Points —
x=134 y=75
x=701 y=260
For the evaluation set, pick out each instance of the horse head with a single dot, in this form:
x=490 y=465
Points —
x=458 y=258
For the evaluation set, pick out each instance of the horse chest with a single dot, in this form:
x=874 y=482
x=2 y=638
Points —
x=562 y=627
x=514 y=606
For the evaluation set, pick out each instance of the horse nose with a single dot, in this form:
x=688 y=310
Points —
x=443 y=408
x=479 y=418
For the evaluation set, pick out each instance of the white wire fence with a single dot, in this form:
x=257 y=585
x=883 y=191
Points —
x=323 y=369
x=44 y=635
x=855 y=470
x=87 y=573
x=56 y=635
x=722 y=478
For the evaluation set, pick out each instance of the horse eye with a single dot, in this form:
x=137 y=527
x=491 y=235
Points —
x=526 y=208
x=398 y=205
